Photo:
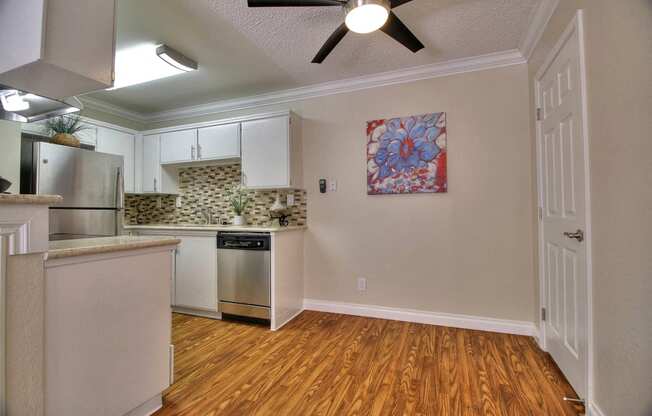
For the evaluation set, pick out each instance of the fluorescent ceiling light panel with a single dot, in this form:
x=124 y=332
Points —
x=140 y=64
x=176 y=59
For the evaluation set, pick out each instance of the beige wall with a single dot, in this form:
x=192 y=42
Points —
x=468 y=251
x=10 y=153
x=619 y=62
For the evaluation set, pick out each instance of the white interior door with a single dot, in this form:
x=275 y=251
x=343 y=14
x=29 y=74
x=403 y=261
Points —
x=562 y=151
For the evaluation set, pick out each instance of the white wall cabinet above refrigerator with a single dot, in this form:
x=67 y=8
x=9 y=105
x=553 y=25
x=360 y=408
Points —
x=271 y=153
x=119 y=143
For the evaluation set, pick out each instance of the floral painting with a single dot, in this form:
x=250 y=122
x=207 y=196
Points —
x=407 y=155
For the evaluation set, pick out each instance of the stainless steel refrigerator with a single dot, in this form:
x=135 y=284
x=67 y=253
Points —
x=91 y=184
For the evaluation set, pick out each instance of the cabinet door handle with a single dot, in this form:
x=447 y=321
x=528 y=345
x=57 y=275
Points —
x=154 y=184
x=192 y=152
x=199 y=151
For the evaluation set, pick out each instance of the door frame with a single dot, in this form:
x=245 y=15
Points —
x=575 y=26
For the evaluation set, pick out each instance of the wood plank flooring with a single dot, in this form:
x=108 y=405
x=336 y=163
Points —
x=330 y=364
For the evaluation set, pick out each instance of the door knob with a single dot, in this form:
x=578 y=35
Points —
x=578 y=235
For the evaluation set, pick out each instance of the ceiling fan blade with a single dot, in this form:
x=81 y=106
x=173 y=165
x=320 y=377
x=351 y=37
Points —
x=397 y=30
x=396 y=3
x=330 y=44
x=292 y=3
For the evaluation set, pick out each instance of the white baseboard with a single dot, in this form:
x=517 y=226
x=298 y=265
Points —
x=424 y=317
x=594 y=410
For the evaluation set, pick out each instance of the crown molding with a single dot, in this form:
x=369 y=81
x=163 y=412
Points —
x=442 y=69
x=537 y=25
x=114 y=110
x=457 y=66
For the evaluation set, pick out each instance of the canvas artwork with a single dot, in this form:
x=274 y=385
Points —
x=407 y=155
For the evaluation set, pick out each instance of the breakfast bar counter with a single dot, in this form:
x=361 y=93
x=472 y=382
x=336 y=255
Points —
x=80 y=247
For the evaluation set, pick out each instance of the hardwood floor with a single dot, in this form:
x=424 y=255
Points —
x=330 y=364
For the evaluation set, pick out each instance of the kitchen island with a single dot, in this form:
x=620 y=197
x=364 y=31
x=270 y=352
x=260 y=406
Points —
x=99 y=312
x=108 y=325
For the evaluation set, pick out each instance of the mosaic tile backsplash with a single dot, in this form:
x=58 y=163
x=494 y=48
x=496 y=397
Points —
x=206 y=186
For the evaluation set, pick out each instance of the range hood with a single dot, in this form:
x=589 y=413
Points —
x=25 y=107
x=57 y=48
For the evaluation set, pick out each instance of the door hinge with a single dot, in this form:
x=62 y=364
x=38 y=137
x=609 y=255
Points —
x=543 y=314
x=538 y=114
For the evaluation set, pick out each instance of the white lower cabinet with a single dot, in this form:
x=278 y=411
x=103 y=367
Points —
x=195 y=285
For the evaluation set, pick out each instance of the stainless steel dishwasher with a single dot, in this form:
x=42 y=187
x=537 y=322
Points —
x=244 y=274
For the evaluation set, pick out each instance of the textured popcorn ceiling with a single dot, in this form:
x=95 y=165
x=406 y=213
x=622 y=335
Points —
x=243 y=51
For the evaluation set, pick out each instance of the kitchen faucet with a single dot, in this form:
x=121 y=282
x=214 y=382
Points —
x=207 y=214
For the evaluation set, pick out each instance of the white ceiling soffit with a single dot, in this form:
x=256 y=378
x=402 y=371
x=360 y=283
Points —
x=537 y=23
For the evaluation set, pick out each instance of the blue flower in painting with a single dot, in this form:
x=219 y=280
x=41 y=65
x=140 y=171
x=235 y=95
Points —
x=408 y=143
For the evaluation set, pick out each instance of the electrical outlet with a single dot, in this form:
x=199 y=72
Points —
x=178 y=202
x=332 y=185
x=290 y=200
x=362 y=284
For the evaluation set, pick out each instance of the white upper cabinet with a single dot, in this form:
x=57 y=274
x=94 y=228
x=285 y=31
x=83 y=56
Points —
x=57 y=48
x=179 y=146
x=270 y=154
x=151 y=165
x=218 y=142
x=119 y=143
x=156 y=178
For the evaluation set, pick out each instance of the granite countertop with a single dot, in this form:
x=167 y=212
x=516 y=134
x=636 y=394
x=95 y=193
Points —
x=29 y=199
x=215 y=227
x=86 y=246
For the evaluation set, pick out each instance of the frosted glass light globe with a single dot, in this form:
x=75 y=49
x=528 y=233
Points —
x=366 y=17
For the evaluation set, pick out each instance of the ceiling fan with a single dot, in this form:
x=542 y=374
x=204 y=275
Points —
x=362 y=16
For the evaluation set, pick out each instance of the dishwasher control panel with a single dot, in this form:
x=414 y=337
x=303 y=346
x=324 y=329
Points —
x=243 y=241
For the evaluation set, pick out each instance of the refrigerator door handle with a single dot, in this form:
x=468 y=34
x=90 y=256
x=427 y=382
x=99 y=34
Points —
x=119 y=190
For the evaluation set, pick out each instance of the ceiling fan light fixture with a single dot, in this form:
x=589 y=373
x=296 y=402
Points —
x=366 y=16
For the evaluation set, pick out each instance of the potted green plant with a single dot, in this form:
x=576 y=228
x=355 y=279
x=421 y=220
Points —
x=63 y=129
x=238 y=197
